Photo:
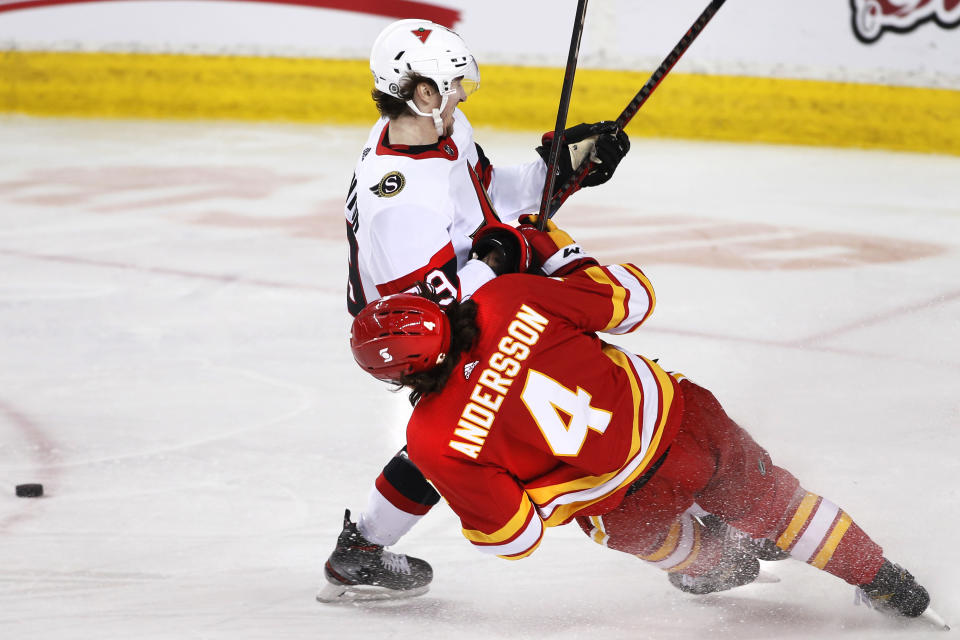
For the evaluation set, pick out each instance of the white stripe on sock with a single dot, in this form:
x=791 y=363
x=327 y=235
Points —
x=817 y=530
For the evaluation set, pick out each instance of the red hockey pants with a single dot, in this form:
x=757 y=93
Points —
x=714 y=463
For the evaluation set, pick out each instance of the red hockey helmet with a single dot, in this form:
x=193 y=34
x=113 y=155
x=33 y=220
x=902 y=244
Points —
x=398 y=335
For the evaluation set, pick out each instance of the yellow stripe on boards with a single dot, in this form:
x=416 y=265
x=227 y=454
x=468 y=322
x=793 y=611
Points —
x=730 y=108
x=711 y=107
x=186 y=87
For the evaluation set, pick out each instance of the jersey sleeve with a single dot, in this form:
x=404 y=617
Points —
x=613 y=298
x=495 y=512
x=517 y=189
x=474 y=275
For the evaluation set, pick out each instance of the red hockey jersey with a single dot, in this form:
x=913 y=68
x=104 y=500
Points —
x=541 y=421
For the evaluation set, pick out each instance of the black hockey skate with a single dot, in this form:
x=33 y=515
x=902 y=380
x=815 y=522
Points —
x=738 y=565
x=766 y=549
x=361 y=570
x=734 y=570
x=895 y=592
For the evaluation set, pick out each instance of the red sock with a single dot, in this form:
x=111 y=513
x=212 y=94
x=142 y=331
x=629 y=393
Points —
x=821 y=534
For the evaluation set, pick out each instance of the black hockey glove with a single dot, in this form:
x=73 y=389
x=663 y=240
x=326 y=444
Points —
x=602 y=144
x=503 y=248
x=611 y=147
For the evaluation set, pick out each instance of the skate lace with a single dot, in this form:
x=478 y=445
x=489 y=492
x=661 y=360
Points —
x=395 y=562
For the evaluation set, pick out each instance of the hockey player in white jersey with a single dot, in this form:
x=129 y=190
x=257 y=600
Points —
x=421 y=191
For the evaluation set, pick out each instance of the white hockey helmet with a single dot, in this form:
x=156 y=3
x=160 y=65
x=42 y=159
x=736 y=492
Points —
x=426 y=48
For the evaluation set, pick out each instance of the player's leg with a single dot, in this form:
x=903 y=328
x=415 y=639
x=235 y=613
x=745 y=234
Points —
x=360 y=567
x=399 y=498
x=660 y=524
x=753 y=495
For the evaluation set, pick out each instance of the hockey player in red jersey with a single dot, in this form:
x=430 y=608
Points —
x=524 y=419
x=421 y=190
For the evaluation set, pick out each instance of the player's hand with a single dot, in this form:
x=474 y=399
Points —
x=503 y=248
x=601 y=144
x=554 y=252
x=611 y=145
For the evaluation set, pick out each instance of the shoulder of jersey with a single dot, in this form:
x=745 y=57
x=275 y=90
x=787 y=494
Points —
x=388 y=176
x=501 y=290
x=396 y=177
x=462 y=129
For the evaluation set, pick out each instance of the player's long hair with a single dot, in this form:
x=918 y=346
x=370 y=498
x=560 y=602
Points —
x=393 y=107
x=463 y=333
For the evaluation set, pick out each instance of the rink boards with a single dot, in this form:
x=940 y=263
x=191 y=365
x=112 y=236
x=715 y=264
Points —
x=332 y=91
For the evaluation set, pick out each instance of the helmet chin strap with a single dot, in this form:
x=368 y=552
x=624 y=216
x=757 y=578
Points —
x=435 y=114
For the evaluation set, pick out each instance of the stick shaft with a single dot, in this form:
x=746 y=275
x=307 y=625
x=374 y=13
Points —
x=669 y=62
x=638 y=100
x=561 y=124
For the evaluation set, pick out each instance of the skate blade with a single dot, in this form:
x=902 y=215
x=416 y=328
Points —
x=934 y=618
x=342 y=593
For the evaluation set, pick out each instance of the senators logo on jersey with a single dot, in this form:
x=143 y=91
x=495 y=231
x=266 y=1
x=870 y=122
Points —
x=390 y=185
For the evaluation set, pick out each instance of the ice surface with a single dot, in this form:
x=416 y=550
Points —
x=174 y=369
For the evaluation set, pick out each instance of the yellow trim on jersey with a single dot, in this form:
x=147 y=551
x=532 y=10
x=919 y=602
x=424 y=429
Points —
x=823 y=557
x=617 y=298
x=665 y=383
x=526 y=553
x=796 y=523
x=505 y=532
x=639 y=275
x=598 y=534
x=545 y=495
x=332 y=91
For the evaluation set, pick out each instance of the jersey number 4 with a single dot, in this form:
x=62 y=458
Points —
x=564 y=416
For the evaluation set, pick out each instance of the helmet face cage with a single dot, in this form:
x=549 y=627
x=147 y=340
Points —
x=426 y=48
x=399 y=335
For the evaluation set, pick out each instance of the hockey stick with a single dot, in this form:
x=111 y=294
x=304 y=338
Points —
x=638 y=100
x=553 y=157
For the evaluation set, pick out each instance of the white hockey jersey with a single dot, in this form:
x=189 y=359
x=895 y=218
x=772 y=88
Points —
x=411 y=212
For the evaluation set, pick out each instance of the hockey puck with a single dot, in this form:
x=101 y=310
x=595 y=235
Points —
x=29 y=490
